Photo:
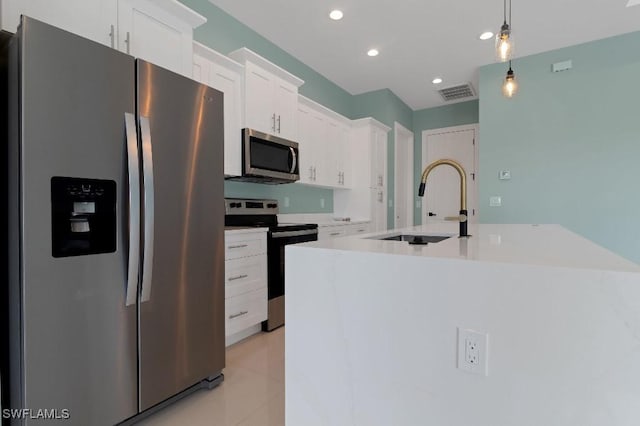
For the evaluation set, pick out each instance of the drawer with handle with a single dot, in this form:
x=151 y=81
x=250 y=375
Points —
x=329 y=232
x=243 y=245
x=359 y=229
x=244 y=275
x=245 y=310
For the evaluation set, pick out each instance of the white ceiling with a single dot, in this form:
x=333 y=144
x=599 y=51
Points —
x=421 y=39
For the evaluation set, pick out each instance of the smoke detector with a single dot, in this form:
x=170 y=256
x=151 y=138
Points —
x=458 y=92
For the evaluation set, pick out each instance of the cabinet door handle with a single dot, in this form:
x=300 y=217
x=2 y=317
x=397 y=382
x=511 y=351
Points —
x=278 y=123
x=310 y=173
x=238 y=277
x=239 y=246
x=127 y=41
x=360 y=230
x=239 y=314
x=380 y=196
x=380 y=180
x=333 y=234
x=112 y=36
x=315 y=174
x=273 y=119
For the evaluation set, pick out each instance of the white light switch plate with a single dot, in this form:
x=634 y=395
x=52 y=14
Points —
x=495 y=201
x=504 y=175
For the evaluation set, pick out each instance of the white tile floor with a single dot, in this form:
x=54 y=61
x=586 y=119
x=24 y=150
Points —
x=252 y=393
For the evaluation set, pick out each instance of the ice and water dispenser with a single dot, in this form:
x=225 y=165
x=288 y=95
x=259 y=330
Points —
x=83 y=216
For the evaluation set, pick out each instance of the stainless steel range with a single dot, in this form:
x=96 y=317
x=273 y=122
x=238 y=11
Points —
x=263 y=213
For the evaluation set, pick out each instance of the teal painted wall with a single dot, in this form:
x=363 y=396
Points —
x=571 y=141
x=386 y=107
x=436 y=118
x=225 y=34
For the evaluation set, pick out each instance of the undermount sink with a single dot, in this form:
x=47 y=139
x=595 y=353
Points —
x=414 y=239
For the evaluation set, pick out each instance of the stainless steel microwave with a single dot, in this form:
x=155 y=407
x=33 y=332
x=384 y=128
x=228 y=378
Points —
x=268 y=159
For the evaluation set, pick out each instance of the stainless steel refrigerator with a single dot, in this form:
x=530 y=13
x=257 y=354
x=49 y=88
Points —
x=116 y=222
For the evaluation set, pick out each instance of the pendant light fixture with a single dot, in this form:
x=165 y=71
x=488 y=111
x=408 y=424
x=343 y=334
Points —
x=504 y=38
x=510 y=85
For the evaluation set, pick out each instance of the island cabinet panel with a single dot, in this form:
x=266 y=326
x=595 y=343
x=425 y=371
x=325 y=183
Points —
x=158 y=31
x=221 y=73
x=559 y=317
x=270 y=96
x=245 y=282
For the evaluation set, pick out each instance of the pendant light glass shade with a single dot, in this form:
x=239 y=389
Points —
x=510 y=85
x=504 y=44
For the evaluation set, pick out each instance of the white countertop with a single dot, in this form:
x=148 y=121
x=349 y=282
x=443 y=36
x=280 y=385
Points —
x=546 y=245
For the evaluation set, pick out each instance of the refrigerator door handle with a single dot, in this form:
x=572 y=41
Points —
x=134 y=209
x=149 y=212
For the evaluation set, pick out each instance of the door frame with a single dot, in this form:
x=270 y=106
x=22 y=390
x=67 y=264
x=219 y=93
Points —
x=472 y=186
x=402 y=133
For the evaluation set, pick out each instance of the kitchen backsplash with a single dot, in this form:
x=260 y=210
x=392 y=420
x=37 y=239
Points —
x=292 y=197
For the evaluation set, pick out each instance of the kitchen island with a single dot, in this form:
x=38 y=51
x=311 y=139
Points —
x=372 y=334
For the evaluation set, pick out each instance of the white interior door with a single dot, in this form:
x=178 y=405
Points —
x=403 y=177
x=442 y=195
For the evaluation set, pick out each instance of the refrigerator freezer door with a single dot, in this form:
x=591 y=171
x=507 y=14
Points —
x=78 y=347
x=182 y=322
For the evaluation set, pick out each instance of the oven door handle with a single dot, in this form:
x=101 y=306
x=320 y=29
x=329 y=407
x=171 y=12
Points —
x=285 y=234
x=294 y=160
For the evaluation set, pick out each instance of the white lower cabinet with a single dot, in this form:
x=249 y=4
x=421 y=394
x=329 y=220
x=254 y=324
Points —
x=327 y=232
x=245 y=311
x=336 y=230
x=245 y=282
x=359 y=228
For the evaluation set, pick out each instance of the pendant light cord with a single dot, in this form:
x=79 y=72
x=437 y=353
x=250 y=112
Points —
x=505 y=11
x=510 y=24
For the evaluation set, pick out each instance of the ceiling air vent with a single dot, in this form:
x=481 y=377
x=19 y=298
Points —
x=455 y=93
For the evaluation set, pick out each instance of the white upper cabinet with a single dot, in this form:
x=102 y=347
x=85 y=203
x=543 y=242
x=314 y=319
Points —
x=158 y=31
x=93 y=19
x=221 y=73
x=367 y=179
x=324 y=145
x=270 y=96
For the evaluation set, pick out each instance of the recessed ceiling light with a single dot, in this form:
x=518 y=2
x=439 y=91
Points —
x=436 y=80
x=486 y=35
x=373 y=52
x=336 y=15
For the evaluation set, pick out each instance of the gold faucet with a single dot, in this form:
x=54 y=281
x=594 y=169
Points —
x=463 y=189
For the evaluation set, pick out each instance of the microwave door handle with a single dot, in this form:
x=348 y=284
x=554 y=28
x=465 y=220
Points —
x=294 y=161
x=149 y=212
x=133 y=170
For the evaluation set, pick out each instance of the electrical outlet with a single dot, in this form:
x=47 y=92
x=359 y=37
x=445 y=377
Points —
x=322 y=203
x=286 y=201
x=473 y=354
x=495 y=201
